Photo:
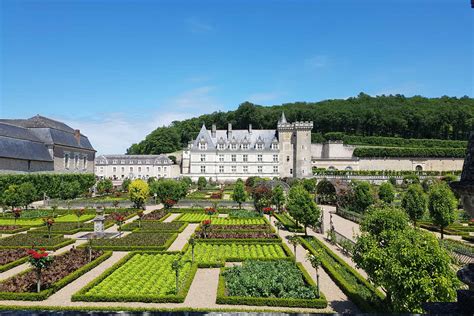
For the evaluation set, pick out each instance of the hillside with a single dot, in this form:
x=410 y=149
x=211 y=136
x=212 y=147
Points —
x=446 y=118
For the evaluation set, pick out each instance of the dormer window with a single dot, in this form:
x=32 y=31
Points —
x=221 y=146
x=202 y=146
x=114 y=162
x=139 y=162
x=245 y=146
x=233 y=146
x=122 y=162
x=260 y=146
x=275 y=146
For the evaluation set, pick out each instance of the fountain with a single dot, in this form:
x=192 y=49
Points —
x=99 y=227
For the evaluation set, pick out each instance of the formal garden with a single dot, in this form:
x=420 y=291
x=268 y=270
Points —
x=267 y=250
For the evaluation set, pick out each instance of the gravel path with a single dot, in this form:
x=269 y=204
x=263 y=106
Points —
x=183 y=237
x=171 y=218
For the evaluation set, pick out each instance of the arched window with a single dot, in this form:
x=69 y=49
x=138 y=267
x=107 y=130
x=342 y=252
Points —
x=419 y=168
x=348 y=168
x=331 y=168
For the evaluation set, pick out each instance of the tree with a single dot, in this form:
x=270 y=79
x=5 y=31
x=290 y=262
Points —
x=176 y=266
x=387 y=192
x=49 y=222
x=302 y=207
x=315 y=260
x=105 y=186
x=409 y=264
x=202 y=183
x=12 y=196
x=239 y=195
x=168 y=190
x=138 y=192
x=414 y=202
x=362 y=196
x=125 y=184
x=442 y=205
x=79 y=212
x=278 y=197
x=326 y=191
x=140 y=215
x=28 y=193
x=294 y=241
x=70 y=190
x=39 y=260
x=192 y=243
x=309 y=185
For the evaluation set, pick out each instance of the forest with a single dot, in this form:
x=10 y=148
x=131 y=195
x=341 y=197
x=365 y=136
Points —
x=417 y=117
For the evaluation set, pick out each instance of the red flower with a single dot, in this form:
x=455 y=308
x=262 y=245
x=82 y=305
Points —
x=206 y=222
x=268 y=210
x=210 y=210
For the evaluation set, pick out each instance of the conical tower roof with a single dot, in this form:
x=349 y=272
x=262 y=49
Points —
x=282 y=118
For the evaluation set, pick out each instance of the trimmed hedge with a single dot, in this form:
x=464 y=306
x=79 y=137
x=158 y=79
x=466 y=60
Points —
x=13 y=264
x=14 y=231
x=387 y=173
x=66 y=228
x=403 y=142
x=352 y=216
x=381 y=152
x=198 y=210
x=177 y=298
x=57 y=285
x=155 y=226
x=468 y=238
x=289 y=223
x=450 y=230
x=108 y=244
x=222 y=298
x=27 y=240
x=238 y=240
x=377 y=302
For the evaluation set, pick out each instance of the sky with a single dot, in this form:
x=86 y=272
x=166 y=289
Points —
x=118 y=69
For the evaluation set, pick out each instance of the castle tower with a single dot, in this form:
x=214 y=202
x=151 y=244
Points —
x=295 y=148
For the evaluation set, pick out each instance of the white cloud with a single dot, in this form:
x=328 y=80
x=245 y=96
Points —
x=263 y=97
x=114 y=132
x=196 y=25
x=317 y=61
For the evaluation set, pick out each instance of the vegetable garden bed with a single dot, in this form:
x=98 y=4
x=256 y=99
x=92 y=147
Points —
x=199 y=217
x=354 y=285
x=136 y=241
x=64 y=269
x=154 y=226
x=289 y=223
x=156 y=215
x=67 y=228
x=36 y=240
x=12 y=229
x=146 y=277
x=10 y=258
x=268 y=283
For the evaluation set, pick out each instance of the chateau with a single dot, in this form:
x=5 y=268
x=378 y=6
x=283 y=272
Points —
x=226 y=155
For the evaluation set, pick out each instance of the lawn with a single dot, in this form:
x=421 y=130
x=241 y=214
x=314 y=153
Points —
x=73 y=218
x=140 y=278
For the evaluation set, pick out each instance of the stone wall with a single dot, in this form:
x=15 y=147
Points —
x=59 y=152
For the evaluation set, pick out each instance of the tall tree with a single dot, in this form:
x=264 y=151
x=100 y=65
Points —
x=239 y=195
x=302 y=207
x=28 y=193
x=442 y=205
x=278 y=197
x=363 y=196
x=105 y=186
x=414 y=202
x=138 y=192
x=167 y=190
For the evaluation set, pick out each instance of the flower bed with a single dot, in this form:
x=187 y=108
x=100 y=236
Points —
x=136 y=241
x=64 y=269
x=10 y=258
x=140 y=278
x=154 y=226
x=12 y=229
x=269 y=283
x=235 y=235
x=37 y=240
x=354 y=285
x=67 y=228
x=241 y=228
x=199 y=217
x=215 y=254
x=155 y=215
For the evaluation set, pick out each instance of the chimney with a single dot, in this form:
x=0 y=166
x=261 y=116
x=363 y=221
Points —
x=229 y=131
x=77 y=136
x=250 y=128
x=213 y=131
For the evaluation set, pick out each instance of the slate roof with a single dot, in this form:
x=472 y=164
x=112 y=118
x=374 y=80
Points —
x=154 y=159
x=20 y=143
x=266 y=136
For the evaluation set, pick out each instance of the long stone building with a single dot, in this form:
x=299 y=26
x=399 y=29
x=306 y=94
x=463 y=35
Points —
x=42 y=144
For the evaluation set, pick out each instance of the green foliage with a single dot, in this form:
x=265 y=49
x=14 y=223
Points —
x=12 y=196
x=400 y=116
x=288 y=222
x=35 y=240
x=70 y=190
x=302 y=207
x=368 y=152
x=202 y=183
x=442 y=205
x=386 y=192
x=402 y=142
x=168 y=189
x=138 y=192
x=278 y=197
x=154 y=226
x=105 y=186
x=414 y=202
x=239 y=195
x=243 y=214
x=199 y=217
x=362 y=196
x=326 y=191
x=279 y=279
x=28 y=193
x=125 y=184
x=309 y=185
x=408 y=263
x=137 y=241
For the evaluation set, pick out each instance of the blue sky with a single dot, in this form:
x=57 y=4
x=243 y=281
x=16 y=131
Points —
x=118 y=69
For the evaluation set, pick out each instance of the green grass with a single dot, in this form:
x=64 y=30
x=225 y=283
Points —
x=21 y=222
x=73 y=218
x=215 y=254
x=147 y=277
x=199 y=217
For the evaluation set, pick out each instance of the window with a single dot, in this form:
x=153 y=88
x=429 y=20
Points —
x=66 y=161
x=246 y=169
x=101 y=169
x=245 y=146
x=114 y=169
x=259 y=158
x=275 y=169
x=114 y=162
x=274 y=146
x=122 y=162
x=139 y=162
x=147 y=162
x=234 y=146
x=348 y=168
x=147 y=169
x=419 y=168
x=159 y=169
x=203 y=157
x=233 y=168
x=291 y=171
x=164 y=169
x=84 y=162
x=131 y=162
x=245 y=158
x=76 y=161
x=131 y=169
x=275 y=158
x=221 y=169
x=221 y=146
x=203 y=169
x=287 y=158
x=259 y=169
x=221 y=158
x=123 y=169
x=233 y=158
x=260 y=146
x=202 y=146
x=139 y=169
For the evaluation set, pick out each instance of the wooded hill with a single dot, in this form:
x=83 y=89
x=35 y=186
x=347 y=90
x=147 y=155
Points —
x=445 y=118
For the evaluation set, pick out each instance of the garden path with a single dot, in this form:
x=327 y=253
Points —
x=171 y=218
x=183 y=237
x=337 y=300
x=203 y=290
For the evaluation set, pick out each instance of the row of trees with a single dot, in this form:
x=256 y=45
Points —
x=399 y=116
x=166 y=191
